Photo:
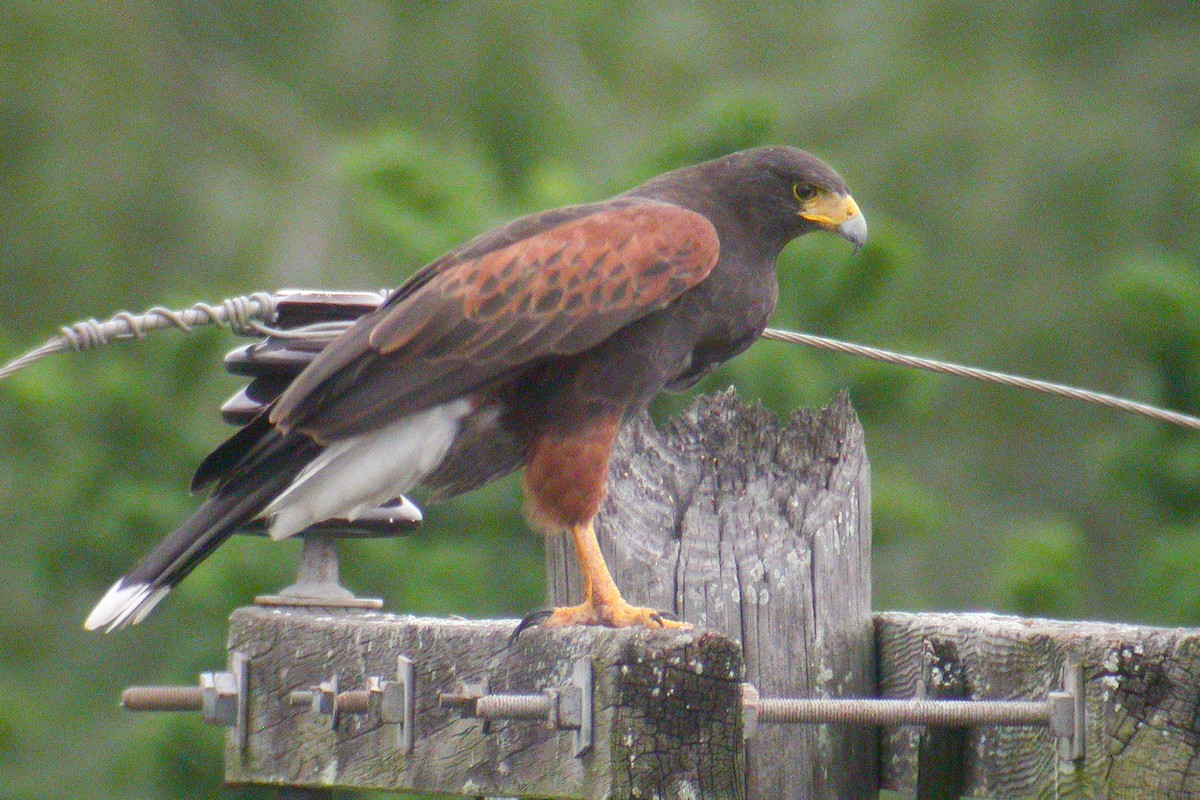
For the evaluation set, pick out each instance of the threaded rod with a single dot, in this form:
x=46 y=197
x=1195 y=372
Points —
x=356 y=701
x=162 y=698
x=936 y=713
x=513 y=706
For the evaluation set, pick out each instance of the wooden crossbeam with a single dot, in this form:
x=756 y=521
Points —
x=666 y=714
x=1142 y=704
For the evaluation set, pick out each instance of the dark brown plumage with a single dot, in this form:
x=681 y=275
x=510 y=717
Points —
x=526 y=347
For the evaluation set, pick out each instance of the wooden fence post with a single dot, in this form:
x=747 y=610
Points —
x=760 y=531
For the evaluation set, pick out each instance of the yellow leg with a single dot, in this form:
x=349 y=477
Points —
x=602 y=601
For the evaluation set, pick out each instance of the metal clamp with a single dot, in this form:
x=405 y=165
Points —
x=391 y=702
x=220 y=697
x=1062 y=712
x=567 y=707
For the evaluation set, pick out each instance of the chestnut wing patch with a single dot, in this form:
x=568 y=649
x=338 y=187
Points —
x=557 y=292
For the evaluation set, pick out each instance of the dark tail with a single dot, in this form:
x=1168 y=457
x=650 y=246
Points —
x=236 y=501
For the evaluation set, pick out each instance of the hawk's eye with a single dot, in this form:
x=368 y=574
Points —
x=804 y=192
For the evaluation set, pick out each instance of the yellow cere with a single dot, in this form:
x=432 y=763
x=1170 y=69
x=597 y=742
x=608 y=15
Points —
x=830 y=209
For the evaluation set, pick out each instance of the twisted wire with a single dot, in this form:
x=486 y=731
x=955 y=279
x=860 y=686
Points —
x=242 y=315
x=987 y=376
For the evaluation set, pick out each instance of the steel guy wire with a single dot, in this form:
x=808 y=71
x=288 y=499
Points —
x=986 y=376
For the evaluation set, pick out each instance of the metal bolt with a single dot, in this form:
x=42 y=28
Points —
x=542 y=706
x=360 y=701
x=220 y=697
x=161 y=698
x=566 y=708
x=465 y=699
x=216 y=698
x=322 y=698
x=391 y=702
x=887 y=712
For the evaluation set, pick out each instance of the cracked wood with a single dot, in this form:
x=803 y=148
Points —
x=667 y=719
x=759 y=530
x=1142 y=693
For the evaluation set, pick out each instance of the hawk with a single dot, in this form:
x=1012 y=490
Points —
x=526 y=347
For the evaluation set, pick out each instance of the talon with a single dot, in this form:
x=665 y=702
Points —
x=610 y=615
x=649 y=618
x=531 y=620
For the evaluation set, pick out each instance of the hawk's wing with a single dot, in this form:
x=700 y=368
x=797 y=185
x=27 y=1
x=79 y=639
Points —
x=474 y=317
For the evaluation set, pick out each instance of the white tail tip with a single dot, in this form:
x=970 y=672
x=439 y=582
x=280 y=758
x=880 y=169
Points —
x=124 y=605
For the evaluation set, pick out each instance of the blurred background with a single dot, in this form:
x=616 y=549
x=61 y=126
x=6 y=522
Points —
x=1029 y=171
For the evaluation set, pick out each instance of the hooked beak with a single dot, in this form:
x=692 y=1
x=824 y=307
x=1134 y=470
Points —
x=839 y=214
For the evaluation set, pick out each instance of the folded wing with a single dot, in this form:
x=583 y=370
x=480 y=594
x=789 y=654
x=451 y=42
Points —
x=467 y=322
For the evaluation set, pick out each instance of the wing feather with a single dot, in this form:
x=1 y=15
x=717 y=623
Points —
x=475 y=317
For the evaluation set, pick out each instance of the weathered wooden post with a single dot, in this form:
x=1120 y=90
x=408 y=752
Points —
x=1141 y=697
x=345 y=698
x=760 y=531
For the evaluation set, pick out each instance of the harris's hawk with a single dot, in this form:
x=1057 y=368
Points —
x=528 y=346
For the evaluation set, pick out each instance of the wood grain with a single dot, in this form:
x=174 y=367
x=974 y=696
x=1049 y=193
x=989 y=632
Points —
x=761 y=531
x=667 y=720
x=1142 y=697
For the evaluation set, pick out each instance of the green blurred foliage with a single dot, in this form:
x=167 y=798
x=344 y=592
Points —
x=1029 y=172
x=1040 y=571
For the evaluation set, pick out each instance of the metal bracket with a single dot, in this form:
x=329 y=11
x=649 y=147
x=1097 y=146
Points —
x=239 y=668
x=398 y=702
x=1068 y=713
x=581 y=693
x=568 y=707
x=317 y=582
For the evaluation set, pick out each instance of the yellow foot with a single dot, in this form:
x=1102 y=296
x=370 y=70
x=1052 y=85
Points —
x=612 y=615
